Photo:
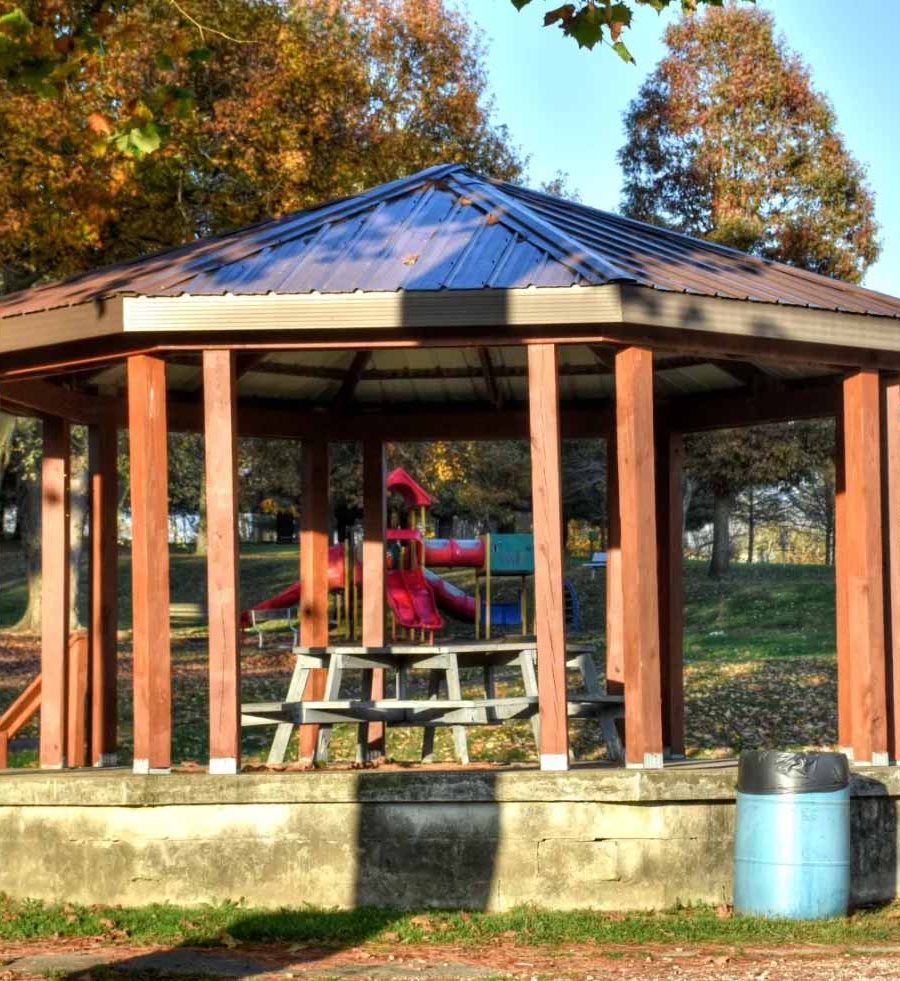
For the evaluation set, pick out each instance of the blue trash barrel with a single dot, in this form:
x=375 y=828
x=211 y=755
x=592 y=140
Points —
x=792 y=841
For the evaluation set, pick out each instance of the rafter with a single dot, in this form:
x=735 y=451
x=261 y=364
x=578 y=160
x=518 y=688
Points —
x=351 y=379
x=490 y=378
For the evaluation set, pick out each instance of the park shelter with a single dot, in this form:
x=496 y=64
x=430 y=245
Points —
x=447 y=305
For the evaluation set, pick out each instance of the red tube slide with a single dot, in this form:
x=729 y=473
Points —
x=451 y=599
x=454 y=553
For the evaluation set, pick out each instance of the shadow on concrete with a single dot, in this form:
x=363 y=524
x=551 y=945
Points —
x=415 y=836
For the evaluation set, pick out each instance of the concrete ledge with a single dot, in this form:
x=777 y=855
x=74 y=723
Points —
x=599 y=837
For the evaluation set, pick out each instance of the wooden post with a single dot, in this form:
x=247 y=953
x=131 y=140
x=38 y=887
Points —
x=546 y=495
x=374 y=523
x=55 y=470
x=891 y=525
x=842 y=632
x=223 y=570
x=104 y=559
x=615 y=657
x=669 y=530
x=150 y=564
x=637 y=511
x=77 y=725
x=863 y=565
x=313 y=572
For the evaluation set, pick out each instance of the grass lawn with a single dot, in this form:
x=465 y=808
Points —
x=759 y=651
x=233 y=924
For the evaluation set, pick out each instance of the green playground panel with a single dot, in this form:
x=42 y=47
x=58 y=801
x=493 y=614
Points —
x=512 y=555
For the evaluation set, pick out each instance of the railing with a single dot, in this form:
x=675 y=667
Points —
x=28 y=704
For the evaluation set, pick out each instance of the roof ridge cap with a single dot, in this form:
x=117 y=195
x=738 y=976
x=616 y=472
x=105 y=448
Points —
x=564 y=247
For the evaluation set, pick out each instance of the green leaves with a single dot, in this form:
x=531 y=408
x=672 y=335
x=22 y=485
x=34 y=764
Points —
x=140 y=140
x=590 y=22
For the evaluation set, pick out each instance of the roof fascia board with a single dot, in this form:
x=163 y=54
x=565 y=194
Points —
x=96 y=318
x=412 y=310
x=694 y=313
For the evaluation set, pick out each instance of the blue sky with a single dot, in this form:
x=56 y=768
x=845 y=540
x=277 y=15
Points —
x=564 y=106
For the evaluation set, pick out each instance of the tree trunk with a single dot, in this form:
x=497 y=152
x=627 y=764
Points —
x=751 y=525
x=721 y=551
x=80 y=488
x=200 y=547
x=7 y=428
x=29 y=505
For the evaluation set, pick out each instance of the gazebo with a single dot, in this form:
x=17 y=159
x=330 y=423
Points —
x=447 y=305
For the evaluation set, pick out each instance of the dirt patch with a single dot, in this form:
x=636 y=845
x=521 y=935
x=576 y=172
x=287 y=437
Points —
x=84 y=958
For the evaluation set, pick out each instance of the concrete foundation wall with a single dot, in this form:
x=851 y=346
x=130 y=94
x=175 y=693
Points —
x=607 y=839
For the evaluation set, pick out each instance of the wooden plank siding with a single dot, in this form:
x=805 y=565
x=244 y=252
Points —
x=861 y=567
x=615 y=655
x=670 y=551
x=104 y=578
x=223 y=571
x=150 y=564
x=546 y=495
x=637 y=510
x=314 y=481
x=55 y=475
x=891 y=528
x=374 y=525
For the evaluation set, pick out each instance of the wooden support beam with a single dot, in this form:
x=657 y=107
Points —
x=890 y=423
x=77 y=696
x=314 y=479
x=863 y=567
x=104 y=579
x=697 y=413
x=248 y=361
x=546 y=495
x=374 y=525
x=352 y=379
x=670 y=548
x=494 y=394
x=223 y=567
x=637 y=513
x=615 y=639
x=47 y=398
x=55 y=472
x=842 y=627
x=150 y=564
x=604 y=356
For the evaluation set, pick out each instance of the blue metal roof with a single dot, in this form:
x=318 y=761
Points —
x=447 y=228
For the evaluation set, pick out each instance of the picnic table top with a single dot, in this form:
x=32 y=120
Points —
x=429 y=650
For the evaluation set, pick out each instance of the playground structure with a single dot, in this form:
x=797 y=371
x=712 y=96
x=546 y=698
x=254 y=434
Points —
x=415 y=594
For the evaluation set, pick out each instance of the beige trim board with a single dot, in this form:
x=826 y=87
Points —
x=355 y=311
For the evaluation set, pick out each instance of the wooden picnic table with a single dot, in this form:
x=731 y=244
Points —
x=444 y=662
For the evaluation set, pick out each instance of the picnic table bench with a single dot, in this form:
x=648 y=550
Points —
x=444 y=663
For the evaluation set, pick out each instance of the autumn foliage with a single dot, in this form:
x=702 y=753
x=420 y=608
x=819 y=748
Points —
x=729 y=140
x=133 y=126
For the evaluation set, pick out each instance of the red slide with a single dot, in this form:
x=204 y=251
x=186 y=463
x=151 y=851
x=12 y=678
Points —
x=411 y=599
x=453 y=600
x=291 y=596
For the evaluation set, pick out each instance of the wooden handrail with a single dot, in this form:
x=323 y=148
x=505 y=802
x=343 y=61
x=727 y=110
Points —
x=18 y=715
x=28 y=704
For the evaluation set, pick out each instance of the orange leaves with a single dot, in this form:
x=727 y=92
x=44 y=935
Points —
x=99 y=124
